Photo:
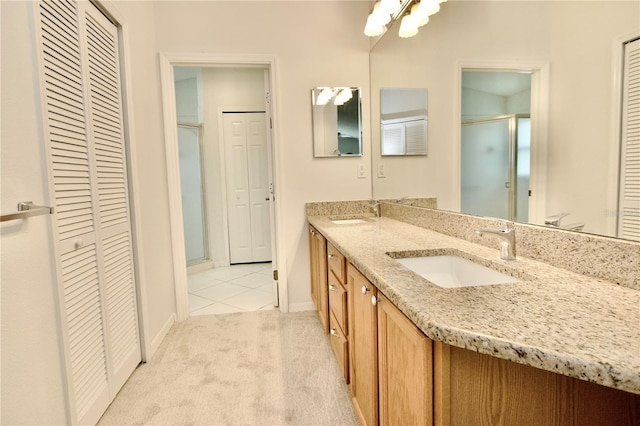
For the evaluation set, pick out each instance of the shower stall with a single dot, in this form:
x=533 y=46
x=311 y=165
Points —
x=495 y=166
x=192 y=191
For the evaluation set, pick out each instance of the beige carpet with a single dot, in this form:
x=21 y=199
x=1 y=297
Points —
x=256 y=368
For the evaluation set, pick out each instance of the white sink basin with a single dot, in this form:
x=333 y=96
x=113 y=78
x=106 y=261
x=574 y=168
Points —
x=453 y=272
x=347 y=221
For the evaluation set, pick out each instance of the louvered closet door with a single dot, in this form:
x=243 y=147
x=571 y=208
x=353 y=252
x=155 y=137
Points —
x=83 y=134
x=629 y=218
x=102 y=64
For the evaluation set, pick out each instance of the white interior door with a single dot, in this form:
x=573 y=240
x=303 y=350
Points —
x=247 y=180
x=80 y=78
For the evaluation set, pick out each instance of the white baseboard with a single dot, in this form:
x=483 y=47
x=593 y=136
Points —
x=200 y=267
x=299 y=307
x=157 y=341
x=220 y=263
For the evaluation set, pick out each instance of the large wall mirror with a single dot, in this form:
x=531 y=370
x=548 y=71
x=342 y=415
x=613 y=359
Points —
x=570 y=52
x=337 y=121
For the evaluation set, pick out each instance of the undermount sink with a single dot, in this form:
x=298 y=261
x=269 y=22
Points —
x=348 y=221
x=451 y=271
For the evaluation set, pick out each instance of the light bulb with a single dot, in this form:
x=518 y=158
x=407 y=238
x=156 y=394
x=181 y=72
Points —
x=408 y=27
x=373 y=27
x=325 y=95
x=390 y=7
x=343 y=96
x=419 y=16
x=429 y=7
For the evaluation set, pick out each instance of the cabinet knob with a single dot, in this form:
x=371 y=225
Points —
x=374 y=300
x=313 y=232
x=330 y=256
x=332 y=287
x=333 y=332
x=79 y=242
x=364 y=289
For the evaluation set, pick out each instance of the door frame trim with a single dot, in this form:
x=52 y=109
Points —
x=539 y=127
x=167 y=61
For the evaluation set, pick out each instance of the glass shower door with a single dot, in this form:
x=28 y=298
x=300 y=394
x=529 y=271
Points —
x=495 y=159
x=192 y=191
x=485 y=159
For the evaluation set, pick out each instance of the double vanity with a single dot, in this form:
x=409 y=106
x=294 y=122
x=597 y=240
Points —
x=433 y=328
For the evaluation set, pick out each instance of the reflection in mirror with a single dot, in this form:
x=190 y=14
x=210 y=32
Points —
x=403 y=120
x=577 y=77
x=337 y=124
x=495 y=144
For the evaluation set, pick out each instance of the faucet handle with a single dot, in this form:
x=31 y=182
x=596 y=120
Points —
x=555 y=219
x=507 y=226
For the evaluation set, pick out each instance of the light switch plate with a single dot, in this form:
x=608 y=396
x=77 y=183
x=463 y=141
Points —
x=381 y=172
x=361 y=174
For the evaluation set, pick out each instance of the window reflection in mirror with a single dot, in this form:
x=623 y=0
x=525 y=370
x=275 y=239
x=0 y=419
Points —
x=403 y=121
x=337 y=124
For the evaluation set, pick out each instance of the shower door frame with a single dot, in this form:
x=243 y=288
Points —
x=203 y=196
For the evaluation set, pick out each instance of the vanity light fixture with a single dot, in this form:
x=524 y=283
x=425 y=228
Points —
x=385 y=12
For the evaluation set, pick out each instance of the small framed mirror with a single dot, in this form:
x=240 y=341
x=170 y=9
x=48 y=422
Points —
x=403 y=121
x=337 y=121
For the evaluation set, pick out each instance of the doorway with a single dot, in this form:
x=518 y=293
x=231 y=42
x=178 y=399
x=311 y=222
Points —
x=226 y=74
x=503 y=140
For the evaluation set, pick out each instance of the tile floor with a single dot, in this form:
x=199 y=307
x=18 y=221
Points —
x=235 y=288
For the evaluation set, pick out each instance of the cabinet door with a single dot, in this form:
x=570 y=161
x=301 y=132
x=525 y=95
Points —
x=363 y=347
x=405 y=369
x=319 y=292
x=473 y=388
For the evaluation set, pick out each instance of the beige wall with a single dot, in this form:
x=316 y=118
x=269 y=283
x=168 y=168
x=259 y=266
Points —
x=315 y=43
x=32 y=378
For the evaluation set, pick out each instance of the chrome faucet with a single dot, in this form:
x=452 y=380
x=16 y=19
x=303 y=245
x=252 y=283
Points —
x=507 y=236
x=376 y=208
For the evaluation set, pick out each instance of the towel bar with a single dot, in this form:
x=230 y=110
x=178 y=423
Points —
x=26 y=209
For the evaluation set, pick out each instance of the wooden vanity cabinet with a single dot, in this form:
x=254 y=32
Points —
x=478 y=389
x=391 y=359
x=319 y=287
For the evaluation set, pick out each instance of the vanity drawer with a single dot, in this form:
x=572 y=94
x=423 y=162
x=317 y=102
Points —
x=339 y=345
x=338 y=303
x=337 y=263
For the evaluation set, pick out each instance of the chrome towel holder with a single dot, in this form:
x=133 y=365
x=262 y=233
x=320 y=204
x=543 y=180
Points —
x=26 y=209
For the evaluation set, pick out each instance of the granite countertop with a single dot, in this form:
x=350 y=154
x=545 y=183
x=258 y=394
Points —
x=552 y=319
